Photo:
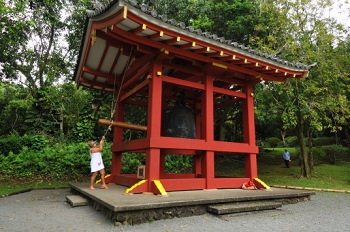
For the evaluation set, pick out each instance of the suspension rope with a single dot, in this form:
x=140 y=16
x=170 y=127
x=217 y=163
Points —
x=116 y=98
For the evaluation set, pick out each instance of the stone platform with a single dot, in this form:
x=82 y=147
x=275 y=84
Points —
x=135 y=209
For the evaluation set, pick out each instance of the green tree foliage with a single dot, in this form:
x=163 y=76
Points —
x=51 y=162
x=39 y=52
x=33 y=43
x=15 y=101
x=232 y=19
x=319 y=101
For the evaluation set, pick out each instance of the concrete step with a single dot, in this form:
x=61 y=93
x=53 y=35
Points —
x=77 y=200
x=243 y=207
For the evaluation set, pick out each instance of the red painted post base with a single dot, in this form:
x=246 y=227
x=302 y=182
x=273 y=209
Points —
x=260 y=184
x=109 y=179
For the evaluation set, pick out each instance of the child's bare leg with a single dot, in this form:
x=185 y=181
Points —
x=92 y=180
x=102 y=173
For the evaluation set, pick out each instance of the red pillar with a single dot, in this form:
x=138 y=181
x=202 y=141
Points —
x=117 y=138
x=163 y=133
x=248 y=116
x=251 y=168
x=154 y=124
x=208 y=131
x=197 y=159
x=251 y=165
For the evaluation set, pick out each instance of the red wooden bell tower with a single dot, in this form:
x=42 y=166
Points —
x=154 y=61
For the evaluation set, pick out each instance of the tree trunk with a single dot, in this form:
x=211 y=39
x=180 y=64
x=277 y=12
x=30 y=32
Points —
x=336 y=137
x=346 y=129
x=305 y=168
x=61 y=119
x=61 y=122
x=95 y=107
x=311 y=157
x=222 y=130
x=283 y=134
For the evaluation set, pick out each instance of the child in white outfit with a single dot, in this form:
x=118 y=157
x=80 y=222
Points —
x=96 y=163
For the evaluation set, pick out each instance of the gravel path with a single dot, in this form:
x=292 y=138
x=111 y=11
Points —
x=47 y=210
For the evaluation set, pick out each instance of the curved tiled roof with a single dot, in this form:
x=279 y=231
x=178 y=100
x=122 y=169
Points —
x=100 y=8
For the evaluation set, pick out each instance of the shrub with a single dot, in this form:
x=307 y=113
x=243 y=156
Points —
x=14 y=143
x=130 y=162
x=273 y=141
x=37 y=142
x=173 y=163
x=292 y=141
x=57 y=161
x=335 y=152
x=323 y=141
x=177 y=164
x=71 y=161
x=318 y=154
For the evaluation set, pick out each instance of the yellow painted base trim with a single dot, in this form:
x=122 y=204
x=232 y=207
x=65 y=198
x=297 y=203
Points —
x=135 y=185
x=262 y=183
x=160 y=187
x=98 y=181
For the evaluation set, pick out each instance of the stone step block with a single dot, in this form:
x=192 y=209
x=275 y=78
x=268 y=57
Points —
x=77 y=200
x=243 y=207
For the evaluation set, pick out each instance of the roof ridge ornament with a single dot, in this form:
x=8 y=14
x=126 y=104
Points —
x=98 y=7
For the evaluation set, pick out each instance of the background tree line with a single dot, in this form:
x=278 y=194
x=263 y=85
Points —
x=40 y=41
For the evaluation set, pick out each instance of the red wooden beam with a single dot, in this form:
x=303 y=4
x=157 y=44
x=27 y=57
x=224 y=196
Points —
x=114 y=19
x=183 y=184
x=172 y=41
x=187 y=69
x=145 y=49
x=137 y=65
x=134 y=90
x=109 y=77
x=201 y=50
x=110 y=40
x=139 y=29
x=126 y=180
x=230 y=93
x=227 y=103
x=141 y=72
x=95 y=83
x=178 y=151
x=198 y=144
x=122 y=39
x=156 y=36
x=178 y=176
x=229 y=182
x=133 y=145
x=231 y=80
x=183 y=82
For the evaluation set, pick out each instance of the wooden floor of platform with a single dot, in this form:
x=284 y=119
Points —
x=116 y=200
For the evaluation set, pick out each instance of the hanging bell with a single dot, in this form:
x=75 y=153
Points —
x=180 y=121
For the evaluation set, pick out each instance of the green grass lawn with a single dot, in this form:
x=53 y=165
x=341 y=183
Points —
x=11 y=186
x=326 y=176
x=271 y=170
x=16 y=186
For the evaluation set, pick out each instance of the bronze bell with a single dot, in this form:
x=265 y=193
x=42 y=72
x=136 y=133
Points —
x=180 y=121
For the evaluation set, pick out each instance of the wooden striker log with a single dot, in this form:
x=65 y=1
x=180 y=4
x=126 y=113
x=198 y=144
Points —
x=122 y=125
